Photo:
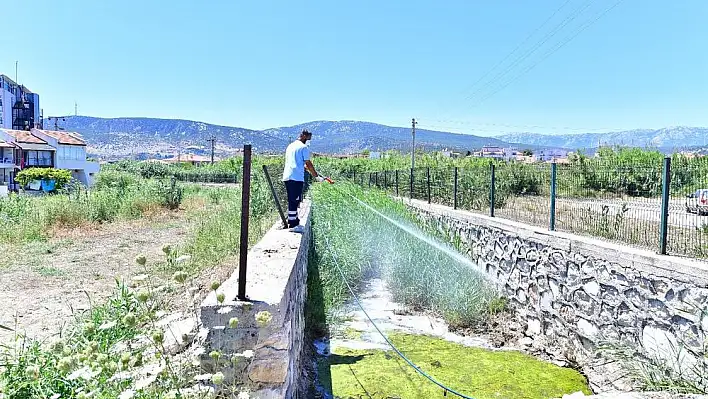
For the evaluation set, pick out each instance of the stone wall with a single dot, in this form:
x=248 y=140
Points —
x=261 y=353
x=573 y=293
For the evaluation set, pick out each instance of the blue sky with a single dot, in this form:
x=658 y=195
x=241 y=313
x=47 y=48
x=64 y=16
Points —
x=261 y=64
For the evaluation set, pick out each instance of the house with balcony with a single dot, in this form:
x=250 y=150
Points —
x=70 y=154
x=7 y=167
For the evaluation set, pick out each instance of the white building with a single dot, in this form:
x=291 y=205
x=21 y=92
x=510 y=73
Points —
x=19 y=106
x=550 y=155
x=70 y=154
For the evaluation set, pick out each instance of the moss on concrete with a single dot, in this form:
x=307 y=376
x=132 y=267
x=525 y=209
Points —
x=479 y=373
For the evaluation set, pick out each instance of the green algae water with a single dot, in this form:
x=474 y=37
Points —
x=479 y=373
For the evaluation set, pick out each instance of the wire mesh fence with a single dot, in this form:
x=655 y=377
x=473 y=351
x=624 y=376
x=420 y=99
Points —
x=653 y=205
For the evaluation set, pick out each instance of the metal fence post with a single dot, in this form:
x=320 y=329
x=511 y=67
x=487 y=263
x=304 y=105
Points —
x=454 y=191
x=665 y=197
x=396 y=182
x=245 y=207
x=427 y=177
x=275 y=197
x=491 y=189
x=552 y=222
x=376 y=179
x=385 y=182
x=369 y=179
x=411 y=192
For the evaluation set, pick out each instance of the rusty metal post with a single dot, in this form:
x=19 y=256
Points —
x=275 y=197
x=245 y=207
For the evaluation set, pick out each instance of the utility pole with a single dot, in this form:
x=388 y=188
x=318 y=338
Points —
x=212 y=140
x=413 y=148
x=76 y=109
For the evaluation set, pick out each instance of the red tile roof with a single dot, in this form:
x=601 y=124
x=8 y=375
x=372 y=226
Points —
x=23 y=136
x=68 y=138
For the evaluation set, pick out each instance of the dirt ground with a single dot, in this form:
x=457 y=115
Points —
x=42 y=284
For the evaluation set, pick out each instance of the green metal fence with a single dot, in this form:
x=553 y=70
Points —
x=654 y=205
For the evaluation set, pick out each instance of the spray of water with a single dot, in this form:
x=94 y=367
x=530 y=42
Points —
x=423 y=237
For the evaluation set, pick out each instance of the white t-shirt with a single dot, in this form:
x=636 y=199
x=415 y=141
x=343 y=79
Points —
x=295 y=156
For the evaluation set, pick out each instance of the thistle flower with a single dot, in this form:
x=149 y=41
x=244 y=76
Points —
x=141 y=260
x=233 y=322
x=125 y=358
x=220 y=297
x=215 y=285
x=215 y=355
x=218 y=378
x=180 y=277
x=158 y=337
x=143 y=296
x=130 y=319
x=33 y=372
x=263 y=318
x=167 y=249
x=57 y=347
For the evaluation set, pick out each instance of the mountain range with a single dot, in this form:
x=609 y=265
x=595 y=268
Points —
x=112 y=138
x=668 y=139
x=147 y=137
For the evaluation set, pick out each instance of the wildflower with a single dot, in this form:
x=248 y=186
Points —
x=129 y=319
x=180 y=277
x=215 y=285
x=263 y=318
x=92 y=347
x=216 y=355
x=217 y=378
x=65 y=364
x=158 y=337
x=167 y=249
x=33 y=372
x=220 y=297
x=143 y=296
x=233 y=322
x=141 y=260
x=125 y=357
x=89 y=328
x=57 y=347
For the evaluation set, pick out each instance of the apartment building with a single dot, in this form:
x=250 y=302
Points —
x=21 y=149
x=19 y=106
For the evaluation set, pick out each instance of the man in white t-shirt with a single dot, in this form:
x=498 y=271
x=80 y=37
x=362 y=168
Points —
x=297 y=159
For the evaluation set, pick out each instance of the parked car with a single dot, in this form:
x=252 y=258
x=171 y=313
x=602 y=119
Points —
x=697 y=202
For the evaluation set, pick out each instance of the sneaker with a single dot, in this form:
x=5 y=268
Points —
x=298 y=229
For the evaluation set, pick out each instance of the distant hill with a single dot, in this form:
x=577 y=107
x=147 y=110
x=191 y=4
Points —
x=143 y=137
x=667 y=139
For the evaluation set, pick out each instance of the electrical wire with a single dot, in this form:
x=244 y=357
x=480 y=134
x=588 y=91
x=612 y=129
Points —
x=549 y=53
x=557 y=29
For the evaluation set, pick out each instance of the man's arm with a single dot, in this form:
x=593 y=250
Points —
x=311 y=168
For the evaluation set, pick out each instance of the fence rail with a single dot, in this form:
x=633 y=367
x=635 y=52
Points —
x=650 y=205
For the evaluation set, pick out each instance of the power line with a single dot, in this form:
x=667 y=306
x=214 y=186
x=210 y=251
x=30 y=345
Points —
x=558 y=28
x=549 y=53
x=518 y=46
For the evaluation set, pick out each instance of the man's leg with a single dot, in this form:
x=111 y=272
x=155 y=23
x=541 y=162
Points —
x=294 y=189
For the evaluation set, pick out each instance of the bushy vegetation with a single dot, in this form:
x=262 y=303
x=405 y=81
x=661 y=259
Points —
x=366 y=245
x=117 y=195
x=61 y=177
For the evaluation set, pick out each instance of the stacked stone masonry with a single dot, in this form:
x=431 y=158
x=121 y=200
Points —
x=574 y=293
x=261 y=354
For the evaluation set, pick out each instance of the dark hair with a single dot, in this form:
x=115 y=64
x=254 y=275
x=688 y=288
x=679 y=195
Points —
x=306 y=132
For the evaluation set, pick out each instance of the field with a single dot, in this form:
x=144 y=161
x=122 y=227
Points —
x=111 y=268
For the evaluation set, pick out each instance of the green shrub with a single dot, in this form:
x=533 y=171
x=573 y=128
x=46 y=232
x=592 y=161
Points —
x=60 y=176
